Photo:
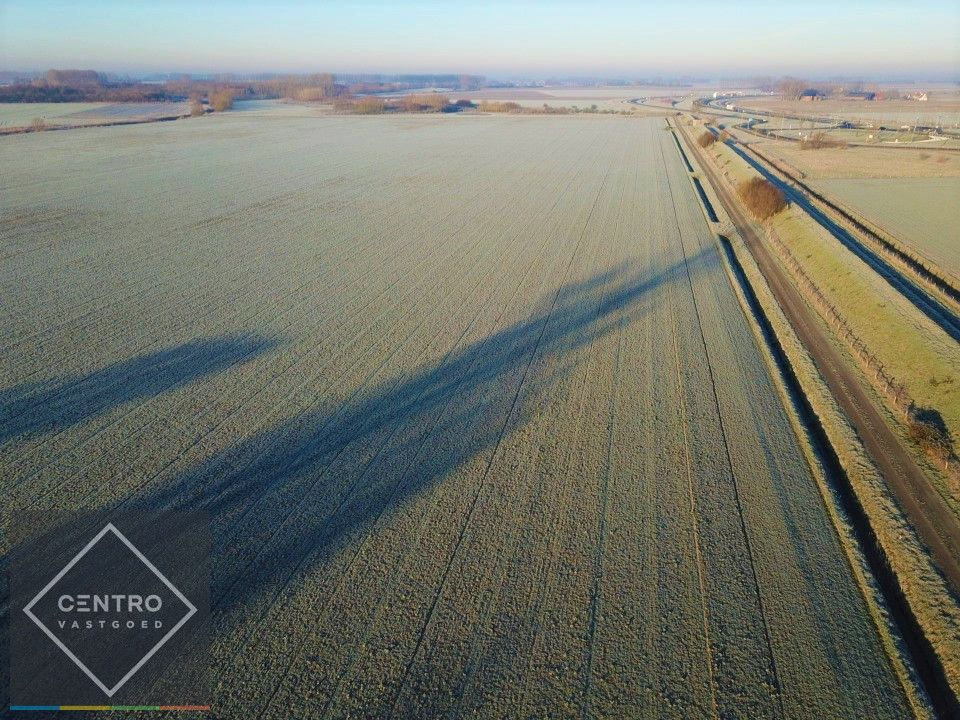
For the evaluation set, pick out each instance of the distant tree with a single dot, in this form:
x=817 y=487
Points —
x=791 y=88
x=499 y=107
x=764 y=83
x=196 y=106
x=325 y=82
x=370 y=106
x=820 y=139
x=74 y=78
x=467 y=82
x=427 y=102
x=310 y=94
x=38 y=124
x=221 y=100
x=317 y=86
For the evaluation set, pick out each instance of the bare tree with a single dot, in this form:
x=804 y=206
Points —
x=791 y=87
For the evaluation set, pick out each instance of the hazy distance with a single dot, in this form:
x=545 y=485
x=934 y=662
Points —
x=870 y=40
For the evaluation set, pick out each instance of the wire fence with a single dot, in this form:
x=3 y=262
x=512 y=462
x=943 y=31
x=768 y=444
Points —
x=935 y=444
x=879 y=240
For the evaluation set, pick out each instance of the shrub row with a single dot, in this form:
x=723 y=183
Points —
x=706 y=139
x=818 y=140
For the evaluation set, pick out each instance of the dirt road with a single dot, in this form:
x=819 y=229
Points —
x=926 y=509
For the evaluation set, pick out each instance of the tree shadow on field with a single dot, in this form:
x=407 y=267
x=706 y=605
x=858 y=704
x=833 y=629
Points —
x=290 y=498
x=37 y=408
x=288 y=501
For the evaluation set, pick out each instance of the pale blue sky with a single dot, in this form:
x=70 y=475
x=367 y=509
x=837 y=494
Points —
x=604 y=37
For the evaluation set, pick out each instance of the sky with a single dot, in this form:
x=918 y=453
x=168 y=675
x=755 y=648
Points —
x=871 y=40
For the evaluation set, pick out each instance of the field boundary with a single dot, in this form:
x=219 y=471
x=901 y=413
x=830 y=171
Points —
x=787 y=360
x=857 y=494
x=897 y=464
x=934 y=305
x=110 y=123
x=822 y=459
x=873 y=370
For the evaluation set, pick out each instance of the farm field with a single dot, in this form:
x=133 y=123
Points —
x=860 y=162
x=886 y=138
x=918 y=210
x=943 y=107
x=480 y=423
x=616 y=105
x=22 y=114
x=14 y=115
x=855 y=161
x=130 y=111
x=615 y=98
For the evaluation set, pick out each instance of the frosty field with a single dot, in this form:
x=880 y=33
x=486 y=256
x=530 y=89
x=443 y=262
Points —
x=22 y=114
x=481 y=425
x=922 y=211
x=16 y=115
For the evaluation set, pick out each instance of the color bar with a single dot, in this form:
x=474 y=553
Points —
x=99 y=708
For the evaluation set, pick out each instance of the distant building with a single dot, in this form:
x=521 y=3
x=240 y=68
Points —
x=860 y=95
x=919 y=96
x=811 y=94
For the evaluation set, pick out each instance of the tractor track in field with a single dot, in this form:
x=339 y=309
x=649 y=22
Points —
x=404 y=478
x=303 y=302
x=711 y=216
x=482 y=485
x=479 y=472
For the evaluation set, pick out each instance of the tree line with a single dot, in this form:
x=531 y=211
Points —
x=92 y=86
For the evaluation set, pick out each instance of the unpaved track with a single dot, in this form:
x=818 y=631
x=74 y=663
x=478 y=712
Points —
x=936 y=523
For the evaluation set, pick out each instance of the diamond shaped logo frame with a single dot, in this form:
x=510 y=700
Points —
x=191 y=609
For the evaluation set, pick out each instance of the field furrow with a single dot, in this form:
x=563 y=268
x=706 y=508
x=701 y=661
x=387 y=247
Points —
x=479 y=423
